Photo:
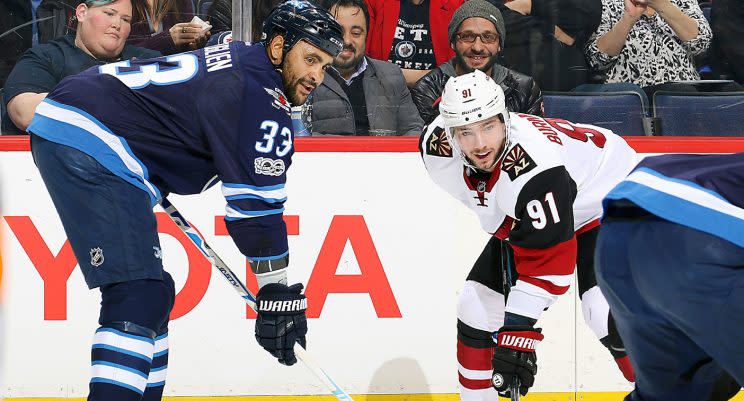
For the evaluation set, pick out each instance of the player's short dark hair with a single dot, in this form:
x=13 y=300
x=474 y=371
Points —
x=349 y=3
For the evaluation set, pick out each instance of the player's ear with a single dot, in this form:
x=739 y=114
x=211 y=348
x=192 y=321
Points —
x=275 y=49
x=80 y=11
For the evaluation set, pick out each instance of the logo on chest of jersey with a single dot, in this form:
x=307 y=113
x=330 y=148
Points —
x=280 y=101
x=481 y=184
x=266 y=166
x=438 y=145
x=405 y=49
x=517 y=162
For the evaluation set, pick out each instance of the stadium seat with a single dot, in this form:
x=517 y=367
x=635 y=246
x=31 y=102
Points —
x=621 y=112
x=700 y=113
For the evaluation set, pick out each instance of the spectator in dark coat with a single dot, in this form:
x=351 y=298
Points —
x=22 y=26
x=728 y=32
x=547 y=37
x=102 y=29
x=477 y=34
x=360 y=95
x=16 y=37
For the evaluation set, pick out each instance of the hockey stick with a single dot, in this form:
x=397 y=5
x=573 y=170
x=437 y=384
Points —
x=238 y=285
x=506 y=286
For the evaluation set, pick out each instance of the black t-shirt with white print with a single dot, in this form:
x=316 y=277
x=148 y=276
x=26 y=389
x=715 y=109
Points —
x=412 y=47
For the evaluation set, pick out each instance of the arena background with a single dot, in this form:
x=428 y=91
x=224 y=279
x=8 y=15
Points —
x=383 y=252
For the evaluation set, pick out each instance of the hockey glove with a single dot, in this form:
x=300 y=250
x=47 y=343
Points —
x=514 y=355
x=281 y=320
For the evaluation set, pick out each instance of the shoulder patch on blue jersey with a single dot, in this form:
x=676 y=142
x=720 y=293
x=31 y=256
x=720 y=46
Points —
x=280 y=101
x=517 y=162
x=266 y=166
x=437 y=144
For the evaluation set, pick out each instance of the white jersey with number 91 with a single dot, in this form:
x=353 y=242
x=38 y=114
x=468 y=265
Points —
x=547 y=186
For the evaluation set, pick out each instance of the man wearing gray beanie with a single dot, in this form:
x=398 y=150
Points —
x=476 y=33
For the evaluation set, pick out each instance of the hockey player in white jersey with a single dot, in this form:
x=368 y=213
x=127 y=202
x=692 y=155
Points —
x=535 y=184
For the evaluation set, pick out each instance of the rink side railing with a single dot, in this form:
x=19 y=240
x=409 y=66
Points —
x=712 y=144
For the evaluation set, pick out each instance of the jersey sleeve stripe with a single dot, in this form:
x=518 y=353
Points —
x=253 y=196
x=559 y=259
x=682 y=203
x=257 y=258
x=73 y=127
x=546 y=285
x=263 y=193
x=253 y=187
x=527 y=299
x=234 y=213
x=559 y=281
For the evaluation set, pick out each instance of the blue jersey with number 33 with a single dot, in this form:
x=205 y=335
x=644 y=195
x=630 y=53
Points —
x=178 y=124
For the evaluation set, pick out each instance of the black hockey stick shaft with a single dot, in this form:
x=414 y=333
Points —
x=506 y=286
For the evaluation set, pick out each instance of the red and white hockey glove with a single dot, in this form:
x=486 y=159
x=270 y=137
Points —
x=514 y=356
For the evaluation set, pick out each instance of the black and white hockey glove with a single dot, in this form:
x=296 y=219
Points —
x=281 y=320
x=515 y=356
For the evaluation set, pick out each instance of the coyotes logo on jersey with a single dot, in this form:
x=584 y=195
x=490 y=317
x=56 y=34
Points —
x=517 y=162
x=438 y=145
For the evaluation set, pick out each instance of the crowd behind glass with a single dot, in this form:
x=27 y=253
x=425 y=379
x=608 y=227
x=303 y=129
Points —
x=591 y=61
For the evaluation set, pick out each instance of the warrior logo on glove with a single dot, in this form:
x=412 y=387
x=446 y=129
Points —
x=514 y=356
x=281 y=320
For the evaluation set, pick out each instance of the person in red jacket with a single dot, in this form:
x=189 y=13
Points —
x=402 y=33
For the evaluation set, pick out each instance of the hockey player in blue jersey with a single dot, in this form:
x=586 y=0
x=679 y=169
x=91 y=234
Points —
x=112 y=141
x=670 y=261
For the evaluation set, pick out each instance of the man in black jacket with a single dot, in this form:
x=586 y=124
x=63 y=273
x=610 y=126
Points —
x=728 y=28
x=476 y=33
x=547 y=37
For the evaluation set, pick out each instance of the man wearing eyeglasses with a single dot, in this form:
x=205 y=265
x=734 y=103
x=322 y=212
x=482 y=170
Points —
x=476 y=34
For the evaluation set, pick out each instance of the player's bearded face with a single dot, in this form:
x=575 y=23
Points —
x=477 y=55
x=482 y=142
x=303 y=70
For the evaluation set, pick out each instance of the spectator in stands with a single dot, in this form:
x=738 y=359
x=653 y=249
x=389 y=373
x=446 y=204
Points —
x=165 y=26
x=410 y=33
x=102 y=29
x=547 y=37
x=476 y=33
x=728 y=32
x=16 y=37
x=360 y=95
x=649 y=43
x=27 y=23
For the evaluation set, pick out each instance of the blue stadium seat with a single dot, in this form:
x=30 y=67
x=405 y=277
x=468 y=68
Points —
x=700 y=113
x=621 y=112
